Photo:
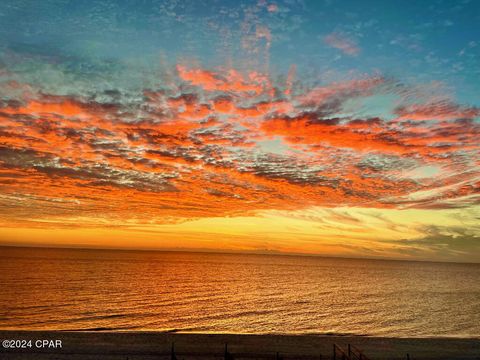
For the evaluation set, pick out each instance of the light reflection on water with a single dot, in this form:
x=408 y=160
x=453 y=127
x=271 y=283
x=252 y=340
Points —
x=200 y=292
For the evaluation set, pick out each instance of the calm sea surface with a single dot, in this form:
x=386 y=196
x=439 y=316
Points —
x=199 y=292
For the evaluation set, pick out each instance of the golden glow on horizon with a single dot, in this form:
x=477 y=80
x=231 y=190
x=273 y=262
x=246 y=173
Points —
x=324 y=231
x=223 y=161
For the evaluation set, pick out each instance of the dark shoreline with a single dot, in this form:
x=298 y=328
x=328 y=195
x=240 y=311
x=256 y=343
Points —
x=143 y=345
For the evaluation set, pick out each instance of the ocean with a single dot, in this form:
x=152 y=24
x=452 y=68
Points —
x=72 y=289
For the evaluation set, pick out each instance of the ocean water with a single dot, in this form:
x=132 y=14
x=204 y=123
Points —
x=203 y=292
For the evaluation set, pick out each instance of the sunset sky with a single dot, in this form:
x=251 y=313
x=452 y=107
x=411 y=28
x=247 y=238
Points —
x=318 y=127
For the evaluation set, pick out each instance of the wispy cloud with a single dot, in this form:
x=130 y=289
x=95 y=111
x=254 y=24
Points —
x=343 y=43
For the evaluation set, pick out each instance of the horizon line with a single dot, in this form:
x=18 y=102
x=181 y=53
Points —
x=226 y=252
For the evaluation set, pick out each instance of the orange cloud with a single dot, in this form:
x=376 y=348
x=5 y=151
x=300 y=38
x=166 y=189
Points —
x=228 y=145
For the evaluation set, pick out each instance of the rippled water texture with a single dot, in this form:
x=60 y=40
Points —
x=122 y=290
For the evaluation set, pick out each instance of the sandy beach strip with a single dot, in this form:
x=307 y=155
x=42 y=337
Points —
x=134 y=345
